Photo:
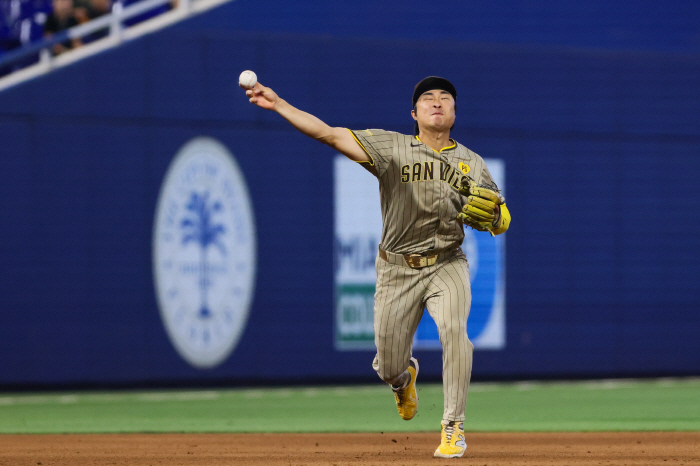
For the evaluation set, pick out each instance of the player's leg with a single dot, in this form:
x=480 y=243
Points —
x=397 y=312
x=448 y=302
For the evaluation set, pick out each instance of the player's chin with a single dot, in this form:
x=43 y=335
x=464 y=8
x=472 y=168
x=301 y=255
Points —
x=440 y=121
x=440 y=127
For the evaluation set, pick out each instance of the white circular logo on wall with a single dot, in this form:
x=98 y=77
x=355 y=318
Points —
x=204 y=252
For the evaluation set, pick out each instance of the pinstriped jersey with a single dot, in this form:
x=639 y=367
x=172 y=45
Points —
x=418 y=189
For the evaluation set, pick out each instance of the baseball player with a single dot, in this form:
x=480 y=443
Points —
x=430 y=187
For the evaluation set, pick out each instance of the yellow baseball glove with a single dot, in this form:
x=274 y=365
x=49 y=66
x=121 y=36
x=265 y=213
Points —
x=485 y=209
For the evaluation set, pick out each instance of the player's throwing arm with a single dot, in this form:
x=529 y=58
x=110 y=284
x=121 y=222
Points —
x=339 y=139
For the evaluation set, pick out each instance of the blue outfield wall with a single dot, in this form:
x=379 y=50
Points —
x=605 y=24
x=601 y=155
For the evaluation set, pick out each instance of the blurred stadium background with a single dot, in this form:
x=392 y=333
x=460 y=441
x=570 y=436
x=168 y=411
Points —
x=592 y=109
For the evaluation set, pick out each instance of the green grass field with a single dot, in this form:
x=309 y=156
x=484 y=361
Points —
x=612 y=405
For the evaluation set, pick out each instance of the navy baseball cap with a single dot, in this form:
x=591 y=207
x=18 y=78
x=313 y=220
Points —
x=428 y=84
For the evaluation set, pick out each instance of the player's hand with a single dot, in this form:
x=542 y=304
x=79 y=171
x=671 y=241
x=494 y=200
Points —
x=262 y=96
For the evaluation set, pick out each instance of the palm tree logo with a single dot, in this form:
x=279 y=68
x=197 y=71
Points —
x=198 y=226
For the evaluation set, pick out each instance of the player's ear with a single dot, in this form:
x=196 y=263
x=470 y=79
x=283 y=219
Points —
x=413 y=114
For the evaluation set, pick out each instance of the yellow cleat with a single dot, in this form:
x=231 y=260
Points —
x=407 y=397
x=452 y=443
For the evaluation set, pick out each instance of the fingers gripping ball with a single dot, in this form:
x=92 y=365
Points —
x=247 y=79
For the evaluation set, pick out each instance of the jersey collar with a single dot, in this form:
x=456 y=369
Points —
x=454 y=144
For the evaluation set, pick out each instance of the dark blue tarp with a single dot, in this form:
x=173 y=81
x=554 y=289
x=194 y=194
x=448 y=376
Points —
x=601 y=151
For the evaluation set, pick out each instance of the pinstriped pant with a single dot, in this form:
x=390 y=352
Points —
x=401 y=295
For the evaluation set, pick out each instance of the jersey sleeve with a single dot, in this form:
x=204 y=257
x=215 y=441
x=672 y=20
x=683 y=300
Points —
x=379 y=145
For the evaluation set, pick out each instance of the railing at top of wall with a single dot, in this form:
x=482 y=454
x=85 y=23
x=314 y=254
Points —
x=113 y=22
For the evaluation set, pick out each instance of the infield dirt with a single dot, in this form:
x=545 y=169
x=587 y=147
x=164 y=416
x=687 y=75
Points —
x=487 y=449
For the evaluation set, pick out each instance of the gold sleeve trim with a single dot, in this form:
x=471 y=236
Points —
x=371 y=160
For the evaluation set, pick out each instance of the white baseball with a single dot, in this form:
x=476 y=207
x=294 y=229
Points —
x=247 y=79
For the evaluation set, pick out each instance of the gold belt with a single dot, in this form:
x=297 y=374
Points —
x=414 y=261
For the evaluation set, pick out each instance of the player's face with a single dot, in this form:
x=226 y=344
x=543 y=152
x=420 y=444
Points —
x=435 y=110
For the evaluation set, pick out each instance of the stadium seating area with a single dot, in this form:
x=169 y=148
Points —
x=24 y=22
